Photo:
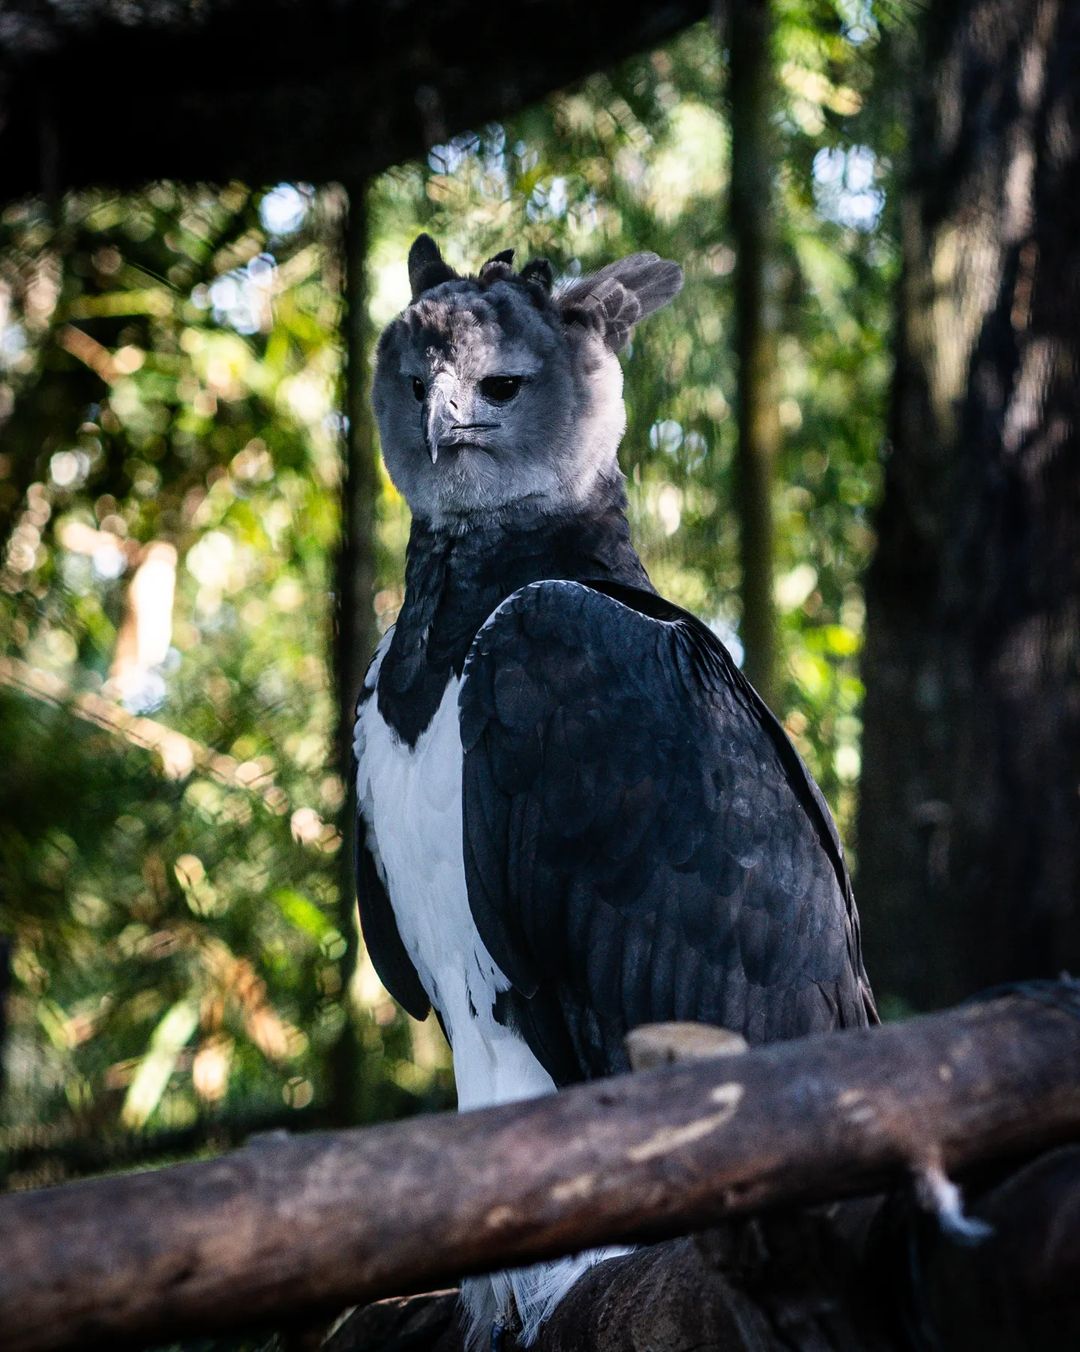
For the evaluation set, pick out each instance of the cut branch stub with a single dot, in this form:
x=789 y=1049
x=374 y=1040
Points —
x=666 y=1044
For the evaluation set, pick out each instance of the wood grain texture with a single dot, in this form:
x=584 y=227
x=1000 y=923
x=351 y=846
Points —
x=857 y=1276
x=294 y=1225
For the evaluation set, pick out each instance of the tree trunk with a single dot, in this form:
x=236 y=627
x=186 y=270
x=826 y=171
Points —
x=5 y=990
x=356 y=631
x=749 y=33
x=969 y=832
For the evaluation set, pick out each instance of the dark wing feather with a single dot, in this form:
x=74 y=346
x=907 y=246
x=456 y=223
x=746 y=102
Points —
x=381 y=937
x=642 y=842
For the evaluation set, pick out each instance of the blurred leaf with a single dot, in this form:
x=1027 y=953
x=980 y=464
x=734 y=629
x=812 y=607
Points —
x=299 y=911
x=169 y=1039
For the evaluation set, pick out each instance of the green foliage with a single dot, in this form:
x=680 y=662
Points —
x=169 y=373
x=177 y=949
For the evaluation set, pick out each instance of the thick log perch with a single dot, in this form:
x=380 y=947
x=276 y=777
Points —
x=289 y=1225
x=846 y=1277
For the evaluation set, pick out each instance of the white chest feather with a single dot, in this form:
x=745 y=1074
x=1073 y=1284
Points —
x=410 y=798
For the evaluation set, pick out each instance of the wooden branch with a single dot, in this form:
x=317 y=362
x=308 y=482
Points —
x=848 y=1277
x=663 y=1044
x=180 y=755
x=292 y=1225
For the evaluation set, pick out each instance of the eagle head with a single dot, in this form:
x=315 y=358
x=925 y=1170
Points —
x=500 y=394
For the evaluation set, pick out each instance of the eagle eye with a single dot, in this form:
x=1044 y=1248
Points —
x=419 y=389
x=500 y=389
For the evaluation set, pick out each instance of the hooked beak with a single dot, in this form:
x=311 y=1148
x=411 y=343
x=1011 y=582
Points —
x=438 y=416
x=442 y=430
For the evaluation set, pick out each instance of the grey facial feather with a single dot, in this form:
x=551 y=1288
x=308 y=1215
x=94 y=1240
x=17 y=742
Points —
x=495 y=396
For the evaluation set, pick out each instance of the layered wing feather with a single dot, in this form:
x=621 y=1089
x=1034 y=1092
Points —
x=641 y=840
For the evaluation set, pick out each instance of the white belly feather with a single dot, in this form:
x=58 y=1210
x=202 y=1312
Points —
x=410 y=799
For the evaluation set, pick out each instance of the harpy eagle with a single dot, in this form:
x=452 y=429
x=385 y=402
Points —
x=576 y=815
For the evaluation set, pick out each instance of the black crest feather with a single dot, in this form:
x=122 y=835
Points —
x=540 y=271
x=427 y=268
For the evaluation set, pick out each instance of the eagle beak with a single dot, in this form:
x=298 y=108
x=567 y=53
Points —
x=439 y=417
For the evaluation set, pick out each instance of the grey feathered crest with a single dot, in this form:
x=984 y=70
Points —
x=610 y=301
x=621 y=295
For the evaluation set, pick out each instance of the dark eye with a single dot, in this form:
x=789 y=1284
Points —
x=500 y=389
x=419 y=389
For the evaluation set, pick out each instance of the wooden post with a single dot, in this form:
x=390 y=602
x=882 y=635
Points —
x=355 y=630
x=750 y=80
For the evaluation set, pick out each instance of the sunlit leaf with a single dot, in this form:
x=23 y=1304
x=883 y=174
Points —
x=298 y=910
x=169 y=1039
